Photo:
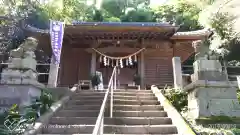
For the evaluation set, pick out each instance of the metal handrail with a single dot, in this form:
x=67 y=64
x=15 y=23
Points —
x=98 y=128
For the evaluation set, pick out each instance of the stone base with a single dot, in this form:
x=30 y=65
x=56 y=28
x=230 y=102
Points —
x=211 y=98
x=28 y=62
x=17 y=94
x=207 y=65
x=210 y=70
x=13 y=76
x=210 y=75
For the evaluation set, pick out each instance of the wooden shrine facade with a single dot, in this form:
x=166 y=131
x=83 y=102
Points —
x=154 y=64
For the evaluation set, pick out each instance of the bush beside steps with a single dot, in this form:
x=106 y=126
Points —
x=215 y=125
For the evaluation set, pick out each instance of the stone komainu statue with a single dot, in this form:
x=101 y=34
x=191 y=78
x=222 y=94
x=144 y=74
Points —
x=29 y=45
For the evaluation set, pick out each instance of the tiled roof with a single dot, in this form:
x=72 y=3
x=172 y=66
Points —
x=34 y=29
x=197 y=33
x=203 y=32
x=143 y=24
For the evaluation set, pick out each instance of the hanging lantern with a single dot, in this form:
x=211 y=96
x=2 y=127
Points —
x=108 y=62
x=105 y=60
x=130 y=60
x=100 y=58
x=117 y=62
x=135 y=58
x=121 y=63
x=112 y=63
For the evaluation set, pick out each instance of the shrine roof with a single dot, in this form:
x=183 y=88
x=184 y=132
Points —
x=162 y=29
x=193 y=35
x=125 y=24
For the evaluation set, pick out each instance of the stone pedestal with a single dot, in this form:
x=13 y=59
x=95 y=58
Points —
x=210 y=93
x=211 y=98
x=17 y=94
x=21 y=70
x=19 y=79
x=210 y=70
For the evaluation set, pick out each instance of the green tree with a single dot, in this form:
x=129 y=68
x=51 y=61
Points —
x=138 y=15
x=118 y=8
x=180 y=13
x=223 y=18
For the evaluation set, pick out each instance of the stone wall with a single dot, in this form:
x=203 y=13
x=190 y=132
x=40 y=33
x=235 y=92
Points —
x=17 y=94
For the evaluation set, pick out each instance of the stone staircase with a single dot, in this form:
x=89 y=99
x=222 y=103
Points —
x=135 y=112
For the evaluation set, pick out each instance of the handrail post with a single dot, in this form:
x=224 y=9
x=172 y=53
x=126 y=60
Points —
x=111 y=104
x=99 y=126
x=102 y=126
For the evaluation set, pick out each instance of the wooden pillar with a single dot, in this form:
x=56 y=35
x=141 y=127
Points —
x=139 y=65
x=93 y=63
x=142 y=71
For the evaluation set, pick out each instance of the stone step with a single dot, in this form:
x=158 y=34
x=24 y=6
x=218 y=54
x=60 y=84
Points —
x=82 y=107
x=109 y=134
x=82 y=97
x=139 y=113
x=116 y=113
x=134 y=91
x=68 y=129
x=116 y=107
x=137 y=107
x=135 y=102
x=117 y=129
x=135 y=97
x=84 y=102
x=141 y=129
x=79 y=113
x=115 y=101
x=133 y=94
x=115 y=91
x=115 y=120
x=86 y=93
x=97 y=97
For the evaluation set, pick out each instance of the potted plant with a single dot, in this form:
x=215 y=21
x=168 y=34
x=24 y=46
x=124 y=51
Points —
x=137 y=80
x=95 y=79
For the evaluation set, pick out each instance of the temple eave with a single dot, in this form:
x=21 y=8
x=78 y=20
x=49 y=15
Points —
x=145 y=32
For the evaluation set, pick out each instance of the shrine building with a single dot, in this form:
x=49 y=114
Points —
x=146 y=49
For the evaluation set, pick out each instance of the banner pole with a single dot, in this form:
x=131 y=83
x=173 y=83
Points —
x=56 y=38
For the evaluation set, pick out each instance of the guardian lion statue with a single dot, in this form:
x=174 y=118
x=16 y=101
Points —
x=29 y=45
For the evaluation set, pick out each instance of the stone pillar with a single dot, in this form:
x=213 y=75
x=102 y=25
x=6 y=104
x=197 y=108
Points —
x=93 y=63
x=142 y=73
x=177 y=72
x=200 y=49
x=210 y=93
x=53 y=73
x=238 y=81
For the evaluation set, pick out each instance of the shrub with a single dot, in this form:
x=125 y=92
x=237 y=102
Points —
x=238 y=95
x=236 y=131
x=177 y=98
